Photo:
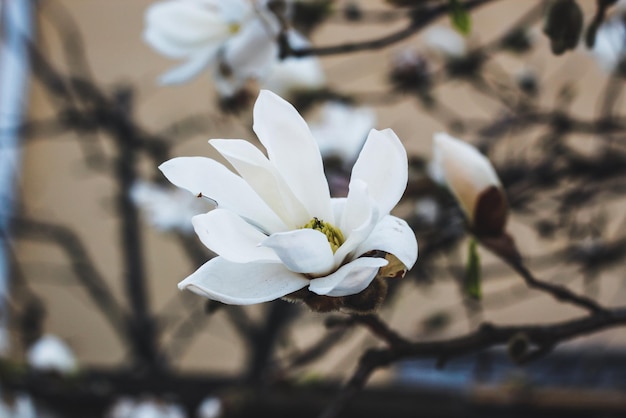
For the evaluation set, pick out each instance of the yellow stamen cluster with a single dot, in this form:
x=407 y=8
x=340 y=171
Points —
x=334 y=235
x=233 y=28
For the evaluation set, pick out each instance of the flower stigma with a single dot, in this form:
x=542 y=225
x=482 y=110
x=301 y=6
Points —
x=333 y=235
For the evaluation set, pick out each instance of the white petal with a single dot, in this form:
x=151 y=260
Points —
x=293 y=151
x=257 y=170
x=383 y=165
x=467 y=172
x=392 y=235
x=166 y=45
x=359 y=217
x=227 y=85
x=205 y=176
x=295 y=73
x=50 y=353
x=167 y=208
x=350 y=279
x=187 y=22
x=445 y=40
x=253 y=51
x=609 y=48
x=191 y=68
x=243 y=284
x=226 y=234
x=338 y=204
x=357 y=206
x=302 y=250
x=342 y=129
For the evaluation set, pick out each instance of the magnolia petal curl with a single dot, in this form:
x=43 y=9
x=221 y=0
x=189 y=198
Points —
x=350 y=279
x=242 y=284
x=392 y=235
x=302 y=251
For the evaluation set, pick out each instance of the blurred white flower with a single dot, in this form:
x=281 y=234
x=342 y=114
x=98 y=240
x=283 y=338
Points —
x=167 y=208
x=445 y=40
x=50 y=353
x=235 y=38
x=129 y=408
x=276 y=229
x=427 y=210
x=210 y=408
x=473 y=182
x=610 y=46
x=295 y=74
x=342 y=129
x=21 y=407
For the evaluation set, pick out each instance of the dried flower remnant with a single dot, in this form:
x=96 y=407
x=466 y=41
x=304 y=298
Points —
x=277 y=230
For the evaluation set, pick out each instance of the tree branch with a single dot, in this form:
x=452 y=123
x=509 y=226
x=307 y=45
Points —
x=419 y=19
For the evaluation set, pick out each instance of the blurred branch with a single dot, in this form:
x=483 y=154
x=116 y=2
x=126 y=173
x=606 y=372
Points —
x=419 y=19
x=541 y=340
x=82 y=265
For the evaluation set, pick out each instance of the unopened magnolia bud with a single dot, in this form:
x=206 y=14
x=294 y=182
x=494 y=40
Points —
x=473 y=182
x=563 y=25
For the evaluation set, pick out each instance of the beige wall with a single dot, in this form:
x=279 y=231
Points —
x=56 y=186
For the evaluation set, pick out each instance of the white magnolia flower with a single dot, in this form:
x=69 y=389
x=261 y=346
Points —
x=235 y=38
x=167 y=208
x=342 y=130
x=50 y=353
x=129 y=408
x=446 y=41
x=472 y=180
x=610 y=46
x=294 y=73
x=210 y=408
x=276 y=228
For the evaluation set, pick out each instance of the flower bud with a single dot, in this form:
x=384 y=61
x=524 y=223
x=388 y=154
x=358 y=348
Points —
x=473 y=182
x=563 y=25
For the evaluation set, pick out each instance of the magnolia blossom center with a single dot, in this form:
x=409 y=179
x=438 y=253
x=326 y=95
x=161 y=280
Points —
x=234 y=28
x=333 y=235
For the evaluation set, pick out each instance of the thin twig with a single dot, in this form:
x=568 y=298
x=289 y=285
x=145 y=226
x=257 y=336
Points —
x=418 y=22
